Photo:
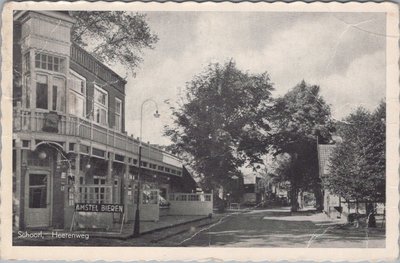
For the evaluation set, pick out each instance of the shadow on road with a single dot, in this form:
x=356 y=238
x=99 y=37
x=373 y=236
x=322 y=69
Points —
x=281 y=228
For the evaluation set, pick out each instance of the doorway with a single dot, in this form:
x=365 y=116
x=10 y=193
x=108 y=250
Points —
x=37 y=194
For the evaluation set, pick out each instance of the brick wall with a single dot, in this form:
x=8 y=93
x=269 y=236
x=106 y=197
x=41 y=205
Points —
x=113 y=93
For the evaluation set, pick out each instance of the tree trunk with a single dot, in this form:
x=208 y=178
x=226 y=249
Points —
x=300 y=199
x=294 y=192
x=319 y=199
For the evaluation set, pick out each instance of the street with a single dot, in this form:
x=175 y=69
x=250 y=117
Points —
x=275 y=227
x=280 y=228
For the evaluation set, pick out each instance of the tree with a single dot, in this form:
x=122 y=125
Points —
x=221 y=125
x=357 y=164
x=113 y=37
x=300 y=120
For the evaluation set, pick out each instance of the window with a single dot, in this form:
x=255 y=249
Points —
x=27 y=62
x=28 y=91
x=37 y=191
x=76 y=105
x=100 y=105
x=49 y=62
x=71 y=196
x=150 y=197
x=58 y=94
x=77 y=83
x=118 y=114
x=41 y=92
x=100 y=192
x=77 y=94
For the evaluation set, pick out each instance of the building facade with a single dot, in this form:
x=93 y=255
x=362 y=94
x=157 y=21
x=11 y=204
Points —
x=69 y=140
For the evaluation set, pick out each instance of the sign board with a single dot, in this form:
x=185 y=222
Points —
x=51 y=120
x=100 y=208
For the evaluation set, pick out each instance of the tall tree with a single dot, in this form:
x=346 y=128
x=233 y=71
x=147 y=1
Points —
x=300 y=119
x=357 y=164
x=113 y=36
x=221 y=125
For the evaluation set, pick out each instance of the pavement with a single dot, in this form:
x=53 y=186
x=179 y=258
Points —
x=90 y=237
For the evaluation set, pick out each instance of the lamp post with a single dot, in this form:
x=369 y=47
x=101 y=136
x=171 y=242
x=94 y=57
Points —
x=136 y=226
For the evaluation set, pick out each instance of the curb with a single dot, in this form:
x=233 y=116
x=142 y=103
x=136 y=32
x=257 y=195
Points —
x=179 y=232
x=165 y=227
x=174 y=225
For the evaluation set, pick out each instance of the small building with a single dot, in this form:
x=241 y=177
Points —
x=69 y=140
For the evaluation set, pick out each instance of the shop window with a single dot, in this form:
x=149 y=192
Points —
x=71 y=196
x=150 y=197
x=37 y=190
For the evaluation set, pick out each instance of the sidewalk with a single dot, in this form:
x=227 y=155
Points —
x=152 y=233
x=146 y=227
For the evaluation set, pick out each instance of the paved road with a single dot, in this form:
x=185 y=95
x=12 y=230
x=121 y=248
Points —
x=256 y=228
x=280 y=228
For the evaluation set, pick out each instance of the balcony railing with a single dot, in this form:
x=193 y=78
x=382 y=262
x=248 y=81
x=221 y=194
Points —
x=31 y=120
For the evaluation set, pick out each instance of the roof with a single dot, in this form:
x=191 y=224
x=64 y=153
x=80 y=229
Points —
x=324 y=153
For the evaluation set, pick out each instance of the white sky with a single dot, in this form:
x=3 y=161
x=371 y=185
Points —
x=325 y=49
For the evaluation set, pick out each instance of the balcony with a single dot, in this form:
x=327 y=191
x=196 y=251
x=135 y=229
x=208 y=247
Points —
x=34 y=121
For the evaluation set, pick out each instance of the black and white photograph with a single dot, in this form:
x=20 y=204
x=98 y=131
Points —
x=201 y=127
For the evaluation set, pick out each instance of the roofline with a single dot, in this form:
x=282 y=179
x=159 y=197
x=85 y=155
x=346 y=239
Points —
x=51 y=13
x=102 y=63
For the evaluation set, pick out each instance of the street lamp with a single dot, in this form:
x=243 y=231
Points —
x=136 y=226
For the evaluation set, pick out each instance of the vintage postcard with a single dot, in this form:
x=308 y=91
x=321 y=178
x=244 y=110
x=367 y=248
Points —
x=199 y=131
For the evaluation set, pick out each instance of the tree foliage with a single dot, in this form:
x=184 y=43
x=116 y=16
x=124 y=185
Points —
x=221 y=125
x=357 y=164
x=299 y=119
x=113 y=37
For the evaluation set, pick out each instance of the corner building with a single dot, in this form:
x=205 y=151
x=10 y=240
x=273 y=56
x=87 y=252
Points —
x=69 y=139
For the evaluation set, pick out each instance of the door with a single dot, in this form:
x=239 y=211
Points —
x=38 y=199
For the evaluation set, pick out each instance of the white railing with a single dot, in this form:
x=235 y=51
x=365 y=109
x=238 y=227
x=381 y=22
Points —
x=30 y=120
x=187 y=197
x=190 y=204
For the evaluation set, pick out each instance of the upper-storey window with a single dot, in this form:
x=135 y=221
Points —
x=77 y=94
x=58 y=94
x=27 y=62
x=41 y=92
x=49 y=62
x=100 y=105
x=118 y=114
